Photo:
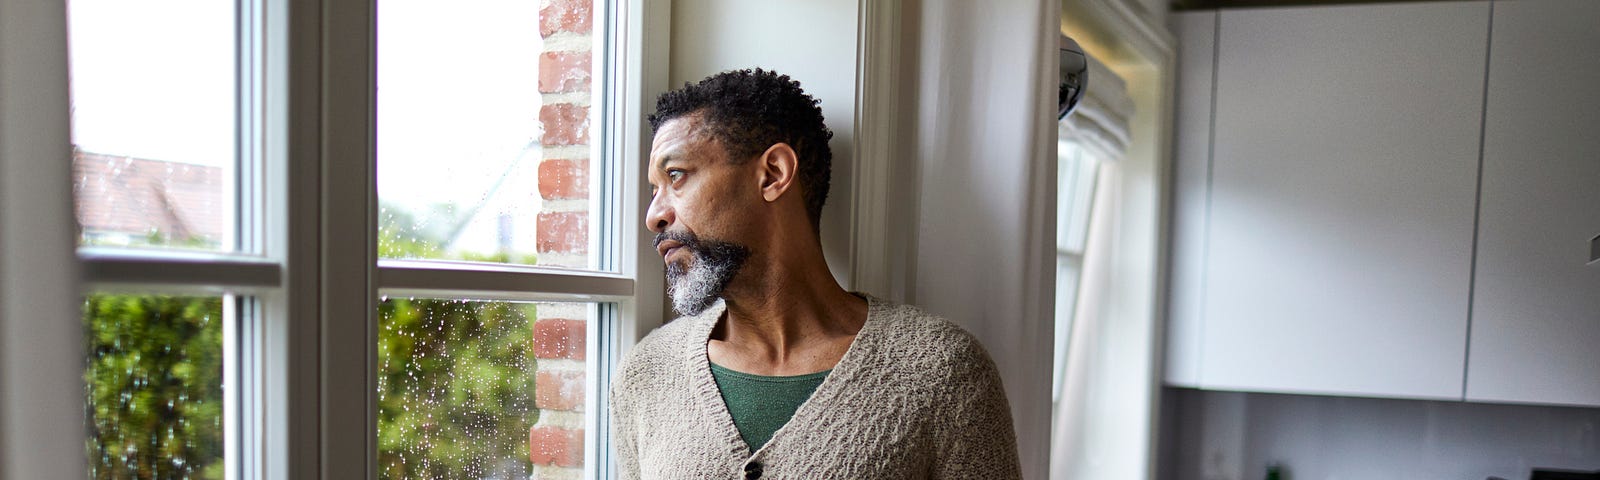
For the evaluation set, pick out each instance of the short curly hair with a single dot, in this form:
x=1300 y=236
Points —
x=749 y=111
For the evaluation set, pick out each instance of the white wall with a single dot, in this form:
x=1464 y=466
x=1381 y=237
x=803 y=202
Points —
x=811 y=41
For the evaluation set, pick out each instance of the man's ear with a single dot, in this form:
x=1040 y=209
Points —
x=779 y=166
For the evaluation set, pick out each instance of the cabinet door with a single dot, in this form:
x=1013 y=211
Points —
x=1191 y=171
x=1536 y=305
x=1344 y=178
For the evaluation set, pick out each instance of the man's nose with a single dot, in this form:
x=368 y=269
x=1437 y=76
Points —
x=659 y=216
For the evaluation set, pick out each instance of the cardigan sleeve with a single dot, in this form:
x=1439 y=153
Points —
x=979 y=441
x=625 y=433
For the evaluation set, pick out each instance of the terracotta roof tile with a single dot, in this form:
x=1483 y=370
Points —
x=135 y=196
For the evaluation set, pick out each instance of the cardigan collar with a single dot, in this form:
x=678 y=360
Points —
x=709 y=397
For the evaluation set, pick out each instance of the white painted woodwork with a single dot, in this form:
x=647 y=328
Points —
x=1191 y=171
x=1343 y=182
x=41 y=331
x=1536 y=305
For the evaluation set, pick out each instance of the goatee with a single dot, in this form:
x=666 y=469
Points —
x=711 y=267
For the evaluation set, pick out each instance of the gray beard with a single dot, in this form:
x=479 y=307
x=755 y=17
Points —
x=712 y=266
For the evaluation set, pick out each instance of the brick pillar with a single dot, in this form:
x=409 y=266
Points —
x=565 y=72
x=555 y=443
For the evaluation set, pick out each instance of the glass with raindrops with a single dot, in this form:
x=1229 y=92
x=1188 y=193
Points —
x=153 y=387
x=459 y=388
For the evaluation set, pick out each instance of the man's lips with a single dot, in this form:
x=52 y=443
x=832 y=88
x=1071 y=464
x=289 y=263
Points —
x=666 y=247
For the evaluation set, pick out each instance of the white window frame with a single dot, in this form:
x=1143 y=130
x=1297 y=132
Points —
x=307 y=408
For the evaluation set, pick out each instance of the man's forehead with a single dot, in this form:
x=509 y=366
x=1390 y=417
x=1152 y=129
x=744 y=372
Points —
x=677 y=137
x=683 y=127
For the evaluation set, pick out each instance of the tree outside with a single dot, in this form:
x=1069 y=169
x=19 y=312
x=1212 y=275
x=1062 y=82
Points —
x=455 y=389
x=153 y=384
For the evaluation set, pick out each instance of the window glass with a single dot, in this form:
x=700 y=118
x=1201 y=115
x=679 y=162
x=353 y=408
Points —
x=1076 y=178
x=153 y=122
x=471 y=389
x=1076 y=172
x=153 y=387
x=483 y=133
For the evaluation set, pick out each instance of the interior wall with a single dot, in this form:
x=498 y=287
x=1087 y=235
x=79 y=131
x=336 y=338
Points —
x=812 y=41
x=1231 y=435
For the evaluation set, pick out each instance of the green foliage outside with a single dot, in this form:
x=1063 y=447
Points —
x=455 y=389
x=154 y=387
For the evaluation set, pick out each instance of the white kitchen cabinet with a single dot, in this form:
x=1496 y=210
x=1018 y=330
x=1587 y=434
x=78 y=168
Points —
x=1535 y=334
x=1191 y=174
x=1343 y=173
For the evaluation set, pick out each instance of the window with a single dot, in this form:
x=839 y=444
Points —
x=395 y=252
x=471 y=389
x=156 y=165
x=154 y=122
x=1076 y=173
x=154 y=396
x=483 y=134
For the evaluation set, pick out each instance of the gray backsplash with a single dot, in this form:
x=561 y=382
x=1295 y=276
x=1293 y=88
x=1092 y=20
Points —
x=1234 y=436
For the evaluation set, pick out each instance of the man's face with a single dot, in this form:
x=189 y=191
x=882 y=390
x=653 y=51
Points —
x=695 y=211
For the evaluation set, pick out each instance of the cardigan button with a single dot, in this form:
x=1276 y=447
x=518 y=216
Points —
x=752 y=470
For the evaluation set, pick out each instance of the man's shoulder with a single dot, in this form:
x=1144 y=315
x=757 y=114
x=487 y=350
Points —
x=908 y=330
x=913 y=323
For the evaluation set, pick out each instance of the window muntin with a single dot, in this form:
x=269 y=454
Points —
x=153 y=94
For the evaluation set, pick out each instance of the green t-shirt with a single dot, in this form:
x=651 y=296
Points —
x=760 y=404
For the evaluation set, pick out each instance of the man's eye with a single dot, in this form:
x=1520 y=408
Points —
x=675 y=175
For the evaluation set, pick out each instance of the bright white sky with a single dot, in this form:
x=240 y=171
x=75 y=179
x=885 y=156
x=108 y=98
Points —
x=457 y=88
x=153 y=79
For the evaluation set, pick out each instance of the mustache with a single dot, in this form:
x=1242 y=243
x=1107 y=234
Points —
x=689 y=240
x=704 y=248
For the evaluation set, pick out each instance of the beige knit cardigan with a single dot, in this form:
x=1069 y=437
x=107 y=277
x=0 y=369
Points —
x=914 y=396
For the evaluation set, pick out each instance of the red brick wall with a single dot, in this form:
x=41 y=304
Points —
x=556 y=441
x=565 y=75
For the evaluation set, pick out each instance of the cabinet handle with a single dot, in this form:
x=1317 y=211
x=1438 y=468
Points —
x=1594 y=251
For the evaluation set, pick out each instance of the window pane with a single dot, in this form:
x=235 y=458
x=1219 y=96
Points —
x=1068 y=271
x=481 y=389
x=153 y=122
x=485 y=150
x=1077 y=170
x=153 y=387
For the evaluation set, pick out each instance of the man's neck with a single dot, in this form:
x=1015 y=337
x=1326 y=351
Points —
x=786 y=319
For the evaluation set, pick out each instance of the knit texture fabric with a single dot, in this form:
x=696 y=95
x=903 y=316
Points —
x=914 y=396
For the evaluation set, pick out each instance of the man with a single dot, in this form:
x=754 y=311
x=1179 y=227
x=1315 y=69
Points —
x=775 y=371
